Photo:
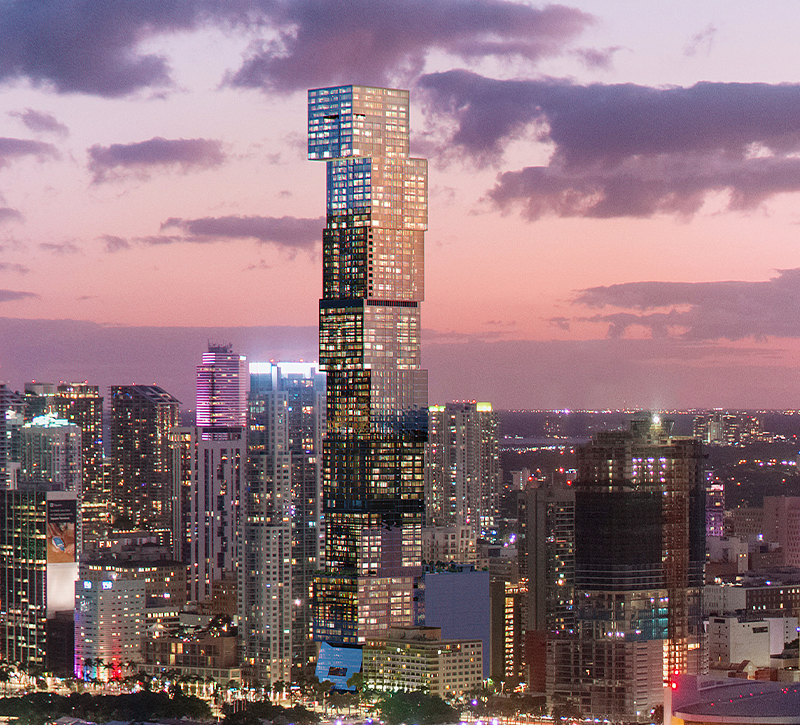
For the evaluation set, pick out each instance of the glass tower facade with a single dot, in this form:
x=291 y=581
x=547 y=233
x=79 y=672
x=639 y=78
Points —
x=369 y=337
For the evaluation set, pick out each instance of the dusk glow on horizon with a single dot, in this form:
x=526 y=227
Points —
x=612 y=191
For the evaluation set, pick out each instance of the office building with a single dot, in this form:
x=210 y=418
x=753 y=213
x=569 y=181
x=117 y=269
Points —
x=462 y=467
x=82 y=404
x=37 y=569
x=445 y=544
x=408 y=659
x=715 y=506
x=222 y=389
x=639 y=557
x=372 y=287
x=282 y=521
x=142 y=477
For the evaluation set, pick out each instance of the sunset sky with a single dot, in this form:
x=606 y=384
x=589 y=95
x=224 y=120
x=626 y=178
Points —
x=613 y=191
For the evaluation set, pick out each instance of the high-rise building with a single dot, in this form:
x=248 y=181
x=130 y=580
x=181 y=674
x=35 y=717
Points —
x=222 y=389
x=462 y=468
x=209 y=469
x=639 y=560
x=82 y=404
x=369 y=336
x=282 y=521
x=142 y=481
x=37 y=568
x=51 y=452
x=546 y=543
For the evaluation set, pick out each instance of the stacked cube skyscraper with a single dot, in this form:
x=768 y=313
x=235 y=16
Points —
x=369 y=336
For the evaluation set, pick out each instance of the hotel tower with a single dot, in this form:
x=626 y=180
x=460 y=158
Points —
x=369 y=339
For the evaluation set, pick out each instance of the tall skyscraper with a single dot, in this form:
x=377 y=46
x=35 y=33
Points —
x=222 y=388
x=281 y=522
x=546 y=544
x=369 y=338
x=639 y=565
x=82 y=404
x=142 y=483
x=462 y=468
x=209 y=469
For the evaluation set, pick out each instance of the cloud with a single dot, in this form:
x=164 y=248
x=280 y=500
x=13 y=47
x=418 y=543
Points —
x=40 y=121
x=109 y=161
x=730 y=310
x=63 y=248
x=8 y=215
x=323 y=42
x=91 y=47
x=702 y=41
x=10 y=267
x=8 y=295
x=96 y=47
x=12 y=148
x=626 y=150
x=598 y=58
x=287 y=232
x=115 y=244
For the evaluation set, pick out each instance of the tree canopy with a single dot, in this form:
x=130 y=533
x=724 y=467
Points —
x=415 y=708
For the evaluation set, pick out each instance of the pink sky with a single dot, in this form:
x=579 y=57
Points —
x=612 y=191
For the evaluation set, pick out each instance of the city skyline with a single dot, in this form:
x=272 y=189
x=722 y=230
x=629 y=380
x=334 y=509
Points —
x=610 y=193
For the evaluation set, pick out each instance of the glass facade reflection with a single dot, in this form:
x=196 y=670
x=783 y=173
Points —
x=373 y=281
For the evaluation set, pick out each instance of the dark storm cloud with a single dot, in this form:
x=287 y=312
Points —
x=288 y=232
x=9 y=295
x=40 y=121
x=627 y=150
x=94 y=47
x=328 y=41
x=11 y=148
x=731 y=310
x=106 y=162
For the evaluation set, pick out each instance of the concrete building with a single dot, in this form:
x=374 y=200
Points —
x=733 y=639
x=372 y=288
x=445 y=544
x=458 y=603
x=221 y=389
x=413 y=658
x=131 y=592
x=695 y=700
x=462 y=467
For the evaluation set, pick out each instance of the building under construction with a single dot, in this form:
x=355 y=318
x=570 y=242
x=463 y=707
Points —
x=639 y=560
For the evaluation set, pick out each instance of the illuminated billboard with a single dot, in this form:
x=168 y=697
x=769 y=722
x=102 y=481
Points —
x=61 y=527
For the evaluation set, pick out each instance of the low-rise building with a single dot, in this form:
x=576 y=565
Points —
x=414 y=658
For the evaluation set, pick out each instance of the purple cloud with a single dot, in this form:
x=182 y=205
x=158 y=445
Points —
x=10 y=267
x=731 y=310
x=627 y=150
x=108 y=161
x=40 y=121
x=287 y=232
x=115 y=244
x=9 y=295
x=63 y=248
x=12 y=148
x=9 y=215
x=702 y=41
x=90 y=47
x=94 y=47
x=325 y=42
